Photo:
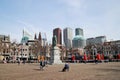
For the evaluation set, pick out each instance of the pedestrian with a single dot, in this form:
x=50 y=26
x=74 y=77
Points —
x=4 y=60
x=80 y=59
x=73 y=58
x=23 y=61
x=98 y=57
x=18 y=61
x=42 y=64
x=96 y=60
x=85 y=58
x=66 y=67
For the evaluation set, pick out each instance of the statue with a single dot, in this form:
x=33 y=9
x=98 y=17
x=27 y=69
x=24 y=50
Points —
x=54 y=41
x=55 y=52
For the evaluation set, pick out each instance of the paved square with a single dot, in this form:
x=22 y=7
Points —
x=78 y=71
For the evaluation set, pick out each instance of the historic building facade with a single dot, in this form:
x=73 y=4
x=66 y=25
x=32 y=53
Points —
x=5 y=46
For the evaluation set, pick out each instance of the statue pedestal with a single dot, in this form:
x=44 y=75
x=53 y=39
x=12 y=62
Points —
x=55 y=56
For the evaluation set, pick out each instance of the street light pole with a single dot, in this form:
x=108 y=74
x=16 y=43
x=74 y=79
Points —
x=93 y=52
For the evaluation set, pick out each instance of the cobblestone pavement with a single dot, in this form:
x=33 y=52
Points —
x=78 y=71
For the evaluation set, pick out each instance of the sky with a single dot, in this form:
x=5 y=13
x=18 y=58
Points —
x=95 y=17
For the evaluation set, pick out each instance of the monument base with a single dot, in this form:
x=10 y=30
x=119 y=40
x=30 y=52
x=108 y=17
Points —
x=55 y=56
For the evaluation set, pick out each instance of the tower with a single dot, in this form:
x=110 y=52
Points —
x=79 y=40
x=58 y=33
x=68 y=35
x=35 y=37
x=79 y=31
x=39 y=37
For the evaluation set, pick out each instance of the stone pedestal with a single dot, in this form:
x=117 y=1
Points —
x=55 y=56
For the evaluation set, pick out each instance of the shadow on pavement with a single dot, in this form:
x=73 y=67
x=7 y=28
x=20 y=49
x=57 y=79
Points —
x=37 y=69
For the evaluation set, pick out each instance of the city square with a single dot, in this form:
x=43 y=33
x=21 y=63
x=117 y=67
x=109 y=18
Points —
x=59 y=40
x=78 y=71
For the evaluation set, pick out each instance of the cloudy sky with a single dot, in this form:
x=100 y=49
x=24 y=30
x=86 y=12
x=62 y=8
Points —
x=96 y=17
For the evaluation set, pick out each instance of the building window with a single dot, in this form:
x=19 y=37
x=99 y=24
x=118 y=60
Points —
x=7 y=51
x=25 y=54
x=4 y=51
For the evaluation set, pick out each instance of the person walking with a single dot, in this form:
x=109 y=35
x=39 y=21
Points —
x=73 y=58
x=85 y=58
x=18 y=61
x=97 y=58
x=42 y=65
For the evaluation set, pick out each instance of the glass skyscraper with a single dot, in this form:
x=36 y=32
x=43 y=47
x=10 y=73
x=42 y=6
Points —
x=68 y=35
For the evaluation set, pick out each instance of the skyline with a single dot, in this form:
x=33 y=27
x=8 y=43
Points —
x=96 y=18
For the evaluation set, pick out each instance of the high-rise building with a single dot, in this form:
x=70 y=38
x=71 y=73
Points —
x=100 y=39
x=68 y=36
x=96 y=40
x=90 y=41
x=58 y=33
x=79 y=31
x=79 y=40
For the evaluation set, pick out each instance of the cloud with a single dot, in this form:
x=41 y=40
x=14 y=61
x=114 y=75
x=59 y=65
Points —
x=29 y=27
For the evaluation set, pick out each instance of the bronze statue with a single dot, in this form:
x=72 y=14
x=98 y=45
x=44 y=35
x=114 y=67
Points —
x=54 y=41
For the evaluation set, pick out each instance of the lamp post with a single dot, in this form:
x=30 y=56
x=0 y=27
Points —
x=93 y=52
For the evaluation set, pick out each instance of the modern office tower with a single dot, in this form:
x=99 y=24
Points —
x=79 y=31
x=90 y=41
x=68 y=36
x=58 y=33
x=100 y=39
x=79 y=40
x=96 y=40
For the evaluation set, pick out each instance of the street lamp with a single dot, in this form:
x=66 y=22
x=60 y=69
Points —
x=93 y=51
